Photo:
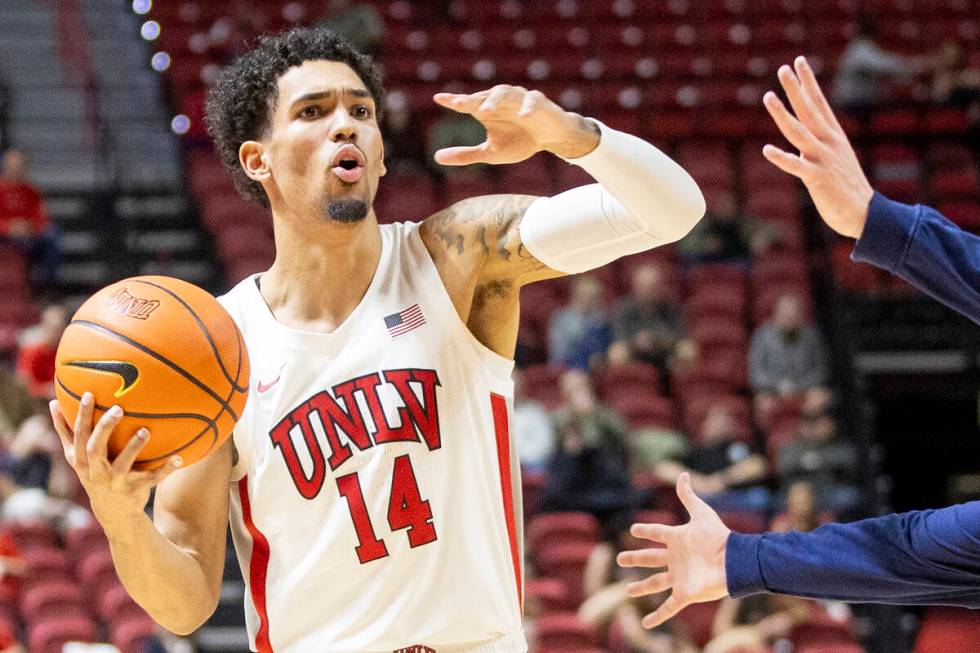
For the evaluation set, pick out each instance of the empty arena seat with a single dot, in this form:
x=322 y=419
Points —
x=632 y=376
x=842 y=647
x=642 y=408
x=566 y=560
x=53 y=599
x=541 y=383
x=948 y=629
x=743 y=521
x=47 y=562
x=51 y=636
x=33 y=534
x=549 y=594
x=561 y=527
x=697 y=619
x=564 y=632
x=115 y=604
x=130 y=635
x=712 y=331
x=822 y=631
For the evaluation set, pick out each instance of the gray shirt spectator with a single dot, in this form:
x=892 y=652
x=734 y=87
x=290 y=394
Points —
x=579 y=332
x=786 y=356
x=646 y=325
x=862 y=67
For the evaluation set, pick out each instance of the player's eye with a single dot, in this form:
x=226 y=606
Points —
x=310 y=112
x=362 y=111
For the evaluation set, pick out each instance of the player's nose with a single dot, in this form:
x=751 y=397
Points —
x=343 y=127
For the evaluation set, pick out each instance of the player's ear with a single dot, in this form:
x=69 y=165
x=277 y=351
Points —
x=384 y=170
x=251 y=154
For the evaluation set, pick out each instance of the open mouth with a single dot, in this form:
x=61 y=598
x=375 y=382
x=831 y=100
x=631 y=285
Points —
x=348 y=164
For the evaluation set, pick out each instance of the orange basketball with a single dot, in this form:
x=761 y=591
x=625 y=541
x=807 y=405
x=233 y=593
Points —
x=166 y=352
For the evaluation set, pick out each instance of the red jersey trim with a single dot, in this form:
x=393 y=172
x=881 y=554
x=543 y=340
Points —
x=258 y=568
x=501 y=428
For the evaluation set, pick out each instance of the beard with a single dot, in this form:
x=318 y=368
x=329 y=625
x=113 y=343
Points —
x=348 y=211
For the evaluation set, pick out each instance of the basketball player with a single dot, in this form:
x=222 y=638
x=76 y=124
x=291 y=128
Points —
x=922 y=557
x=373 y=485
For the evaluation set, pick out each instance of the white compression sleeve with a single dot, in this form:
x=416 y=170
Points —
x=643 y=200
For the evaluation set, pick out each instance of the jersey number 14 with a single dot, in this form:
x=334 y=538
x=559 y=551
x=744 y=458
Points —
x=406 y=510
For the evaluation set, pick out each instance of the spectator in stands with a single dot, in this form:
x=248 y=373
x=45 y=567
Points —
x=724 y=235
x=16 y=404
x=30 y=454
x=646 y=325
x=724 y=470
x=579 y=334
x=24 y=221
x=589 y=471
x=802 y=513
x=404 y=151
x=819 y=456
x=607 y=606
x=358 y=22
x=33 y=504
x=534 y=430
x=787 y=358
x=756 y=622
x=454 y=130
x=956 y=82
x=35 y=357
x=865 y=64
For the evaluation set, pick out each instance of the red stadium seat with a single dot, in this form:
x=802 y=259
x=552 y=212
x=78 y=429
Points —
x=53 y=599
x=47 y=563
x=567 y=562
x=822 y=631
x=564 y=632
x=130 y=635
x=948 y=629
x=29 y=535
x=643 y=409
x=549 y=595
x=955 y=184
x=698 y=619
x=51 y=636
x=627 y=377
x=964 y=213
x=834 y=648
x=722 y=302
x=561 y=528
x=115 y=604
x=742 y=521
x=696 y=409
x=718 y=331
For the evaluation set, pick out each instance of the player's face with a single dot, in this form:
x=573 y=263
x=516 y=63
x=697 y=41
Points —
x=324 y=148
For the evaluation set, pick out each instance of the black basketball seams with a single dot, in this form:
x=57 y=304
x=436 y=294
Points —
x=95 y=326
x=204 y=329
x=211 y=423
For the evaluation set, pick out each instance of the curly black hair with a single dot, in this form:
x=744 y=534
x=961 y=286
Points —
x=242 y=99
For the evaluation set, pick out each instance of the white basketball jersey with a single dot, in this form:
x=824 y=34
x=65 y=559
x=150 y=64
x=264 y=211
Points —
x=376 y=497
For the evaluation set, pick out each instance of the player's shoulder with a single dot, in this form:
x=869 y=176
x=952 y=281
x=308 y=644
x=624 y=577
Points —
x=237 y=299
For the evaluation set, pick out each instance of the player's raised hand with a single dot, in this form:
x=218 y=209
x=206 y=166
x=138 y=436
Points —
x=519 y=124
x=113 y=487
x=691 y=563
x=826 y=163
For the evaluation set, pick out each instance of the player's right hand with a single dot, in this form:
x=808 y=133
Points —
x=691 y=563
x=115 y=489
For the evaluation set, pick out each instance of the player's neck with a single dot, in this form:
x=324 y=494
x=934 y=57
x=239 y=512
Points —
x=320 y=276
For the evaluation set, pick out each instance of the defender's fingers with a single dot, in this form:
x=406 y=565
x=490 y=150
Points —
x=154 y=477
x=788 y=163
x=652 y=584
x=61 y=425
x=83 y=428
x=812 y=88
x=653 y=532
x=649 y=558
x=794 y=131
x=802 y=105
x=123 y=463
x=667 y=609
x=461 y=102
x=497 y=98
x=98 y=443
x=461 y=156
x=694 y=505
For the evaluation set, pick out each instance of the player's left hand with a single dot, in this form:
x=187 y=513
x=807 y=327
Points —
x=519 y=124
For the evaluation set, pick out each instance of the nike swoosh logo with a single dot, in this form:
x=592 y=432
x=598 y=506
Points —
x=128 y=373
x=263 y=387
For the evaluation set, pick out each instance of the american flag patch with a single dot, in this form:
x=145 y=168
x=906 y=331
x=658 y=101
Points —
x=404 y=321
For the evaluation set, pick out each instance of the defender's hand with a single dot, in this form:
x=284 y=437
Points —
x=692 y=565
x=826 y=163
x=114 y=488
x=519 y=124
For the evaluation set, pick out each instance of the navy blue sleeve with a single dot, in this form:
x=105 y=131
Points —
x=929 y=557
x=918 y=244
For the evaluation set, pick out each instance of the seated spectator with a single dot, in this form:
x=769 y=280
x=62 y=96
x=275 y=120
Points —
x=534 y=431
x=33 y=504
x=802 y=510
x=726 y=236
x=578 y=334
x=358 y=22
x=757 y=622
x=589 y=471
x=819 y=456
x=454 y=130
x=31 y=453
x=24 y=221
x=404 y=151
x=725 y=471
x=16 y=405
x=787 y=358
x=864 y=67
x=607 y=605
x=956 y=82
x=646 y=325
x=35 y=357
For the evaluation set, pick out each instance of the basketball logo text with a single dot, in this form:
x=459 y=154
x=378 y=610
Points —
x=418 y=648
x=130 y=305
x=340 y=412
